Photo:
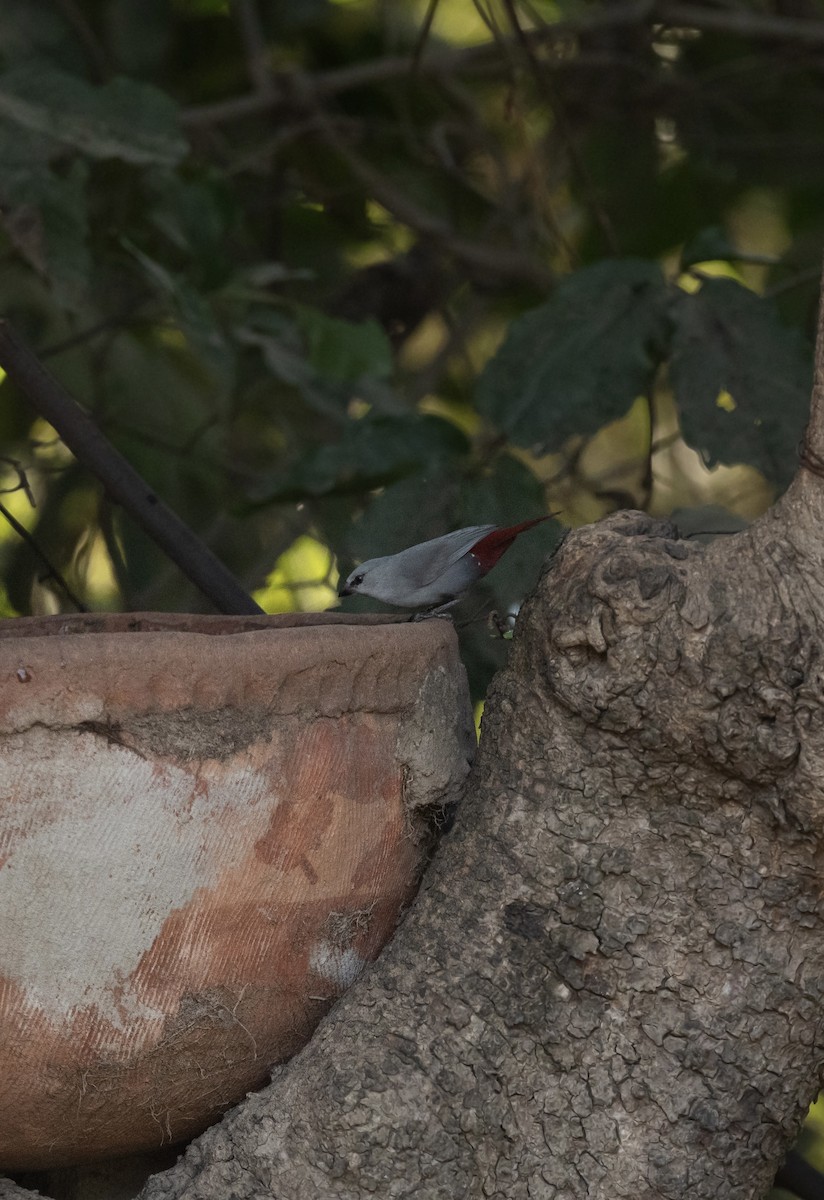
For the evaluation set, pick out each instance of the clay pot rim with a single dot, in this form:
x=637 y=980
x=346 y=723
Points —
x=159 y=622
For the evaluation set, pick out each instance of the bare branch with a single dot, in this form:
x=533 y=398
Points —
x=489 y=55
x=501 y=261
x=423 y=34
x=544 y=84
x=744 y=22
x=293 y=89
x=38 y=551
x=76 y=18
x=254 y=43
x=114 y=321
x=22 y=484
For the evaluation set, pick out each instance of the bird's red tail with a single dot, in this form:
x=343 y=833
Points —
x=489 y=549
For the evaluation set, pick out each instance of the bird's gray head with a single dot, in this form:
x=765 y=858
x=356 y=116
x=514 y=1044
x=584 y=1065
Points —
x=354 y=581
x=371 y=578
x=350 y=586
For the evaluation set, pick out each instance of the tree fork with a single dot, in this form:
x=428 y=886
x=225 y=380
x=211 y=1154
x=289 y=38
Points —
x=610 y=984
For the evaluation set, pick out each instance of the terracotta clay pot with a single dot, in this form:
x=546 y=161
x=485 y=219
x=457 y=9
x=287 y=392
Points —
x=208 y=826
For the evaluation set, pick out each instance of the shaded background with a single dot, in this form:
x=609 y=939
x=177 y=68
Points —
x=341 y=275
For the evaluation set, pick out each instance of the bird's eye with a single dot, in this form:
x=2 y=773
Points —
x=357 y=581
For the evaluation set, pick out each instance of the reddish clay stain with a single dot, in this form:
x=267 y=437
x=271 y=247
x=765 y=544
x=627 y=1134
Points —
x=308 y=870
x=269 y=847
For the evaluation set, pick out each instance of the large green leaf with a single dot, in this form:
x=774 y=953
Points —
x=405 y=513
x=507 y=493
x=120 y=119
x=29 y=27
x=581 y=359
x=284 y=352
x=742 y=380
x=196 y=216
x=708 y=244
x=345 y=350
x=194 y=316
x=373 y=452
x=22 y=154
x=47 y=222
x=163 y=396
x=139 y=33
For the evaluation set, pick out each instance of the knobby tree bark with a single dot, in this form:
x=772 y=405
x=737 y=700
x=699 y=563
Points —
x=610 y=984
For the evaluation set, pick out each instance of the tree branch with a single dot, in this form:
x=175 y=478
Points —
x=38 y=551
x=76 y=18
x=487 y=55
x=288 y=87
x=543 y=82
x=113 y=321
x=501 y=261
x=31 y=541
x=254 y=42
x=119 y=478
x=743 y=22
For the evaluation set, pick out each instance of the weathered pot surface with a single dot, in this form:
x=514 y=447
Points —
x=208 y=826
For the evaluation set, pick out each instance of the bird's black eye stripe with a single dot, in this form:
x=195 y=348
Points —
x=358 y=579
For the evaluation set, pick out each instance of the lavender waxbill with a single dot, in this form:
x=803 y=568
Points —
x=435 y=574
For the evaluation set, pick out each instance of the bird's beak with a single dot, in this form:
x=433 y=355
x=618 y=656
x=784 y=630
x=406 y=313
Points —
x=343 y=590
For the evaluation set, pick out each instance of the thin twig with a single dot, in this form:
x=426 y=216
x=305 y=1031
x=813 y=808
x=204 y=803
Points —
x=286 y=86
x=86 y=35
x=91 y=448
x=254 y=44
x=545 y=86
x=35 y=547
x=743 y=22
x=423 y=36
x=290 y=88
x=22 y=484
x=798 y=280
x=428 y=378
x=103 y=326
x=500 y=261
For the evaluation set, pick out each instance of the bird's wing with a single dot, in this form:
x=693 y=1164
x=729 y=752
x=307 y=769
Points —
x=448 y=549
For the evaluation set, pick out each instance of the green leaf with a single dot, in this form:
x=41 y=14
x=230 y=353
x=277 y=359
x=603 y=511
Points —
x=120 y=119
x=506 y=493
x=194 y=316
x=580 y=360
x=373 y=452
x=30 y=27
x=196 y=216
x=139 y=33
x=47 y=222
x=708 y=245
x=345 y=350
x=162 y=396
x=741 y=379
x=281 y=345
x=405 y=513
x=22 y=155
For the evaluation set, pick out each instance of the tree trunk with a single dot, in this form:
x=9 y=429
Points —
x=610 y=984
